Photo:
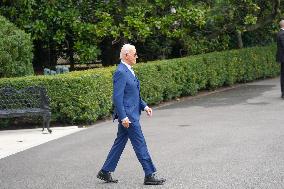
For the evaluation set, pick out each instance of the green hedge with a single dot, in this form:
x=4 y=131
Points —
x=15 y=51
x=85 y=96
x=163 y=80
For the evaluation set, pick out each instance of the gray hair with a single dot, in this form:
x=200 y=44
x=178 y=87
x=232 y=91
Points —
x=281 y=23
x=126 y=48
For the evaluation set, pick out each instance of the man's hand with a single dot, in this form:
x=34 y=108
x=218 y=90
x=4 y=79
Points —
x=149 y=111
x=126 y=122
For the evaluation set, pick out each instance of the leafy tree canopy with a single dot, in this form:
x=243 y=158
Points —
x=83 y=31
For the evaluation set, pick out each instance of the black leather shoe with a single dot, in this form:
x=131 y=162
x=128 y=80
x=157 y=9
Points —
x=153 y=180
x=282 y=96
x=106 y=176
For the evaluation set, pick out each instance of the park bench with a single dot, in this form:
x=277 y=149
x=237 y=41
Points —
x=30 y=101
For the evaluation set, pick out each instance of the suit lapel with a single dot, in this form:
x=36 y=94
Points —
x=131 y=76
x=127 y=70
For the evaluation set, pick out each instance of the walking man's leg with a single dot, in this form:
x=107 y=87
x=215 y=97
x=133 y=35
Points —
x=282 y=79
x=114 y=155
x=140 y=147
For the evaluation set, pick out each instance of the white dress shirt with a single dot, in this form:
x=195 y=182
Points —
x=129 y=67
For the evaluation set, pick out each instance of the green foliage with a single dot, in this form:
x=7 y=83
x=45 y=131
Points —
x=58 y=25
x=85 y=96
x=172 y=28
x=80 y=30
x=75 y=97
x=202 y=45
x=255 y=19
x=15 y=51
x=153 y=87
x=75 y=29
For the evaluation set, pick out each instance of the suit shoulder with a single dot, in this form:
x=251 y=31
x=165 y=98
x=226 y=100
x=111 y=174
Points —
x=119 y=72
x=281 y=32
x=280 y=35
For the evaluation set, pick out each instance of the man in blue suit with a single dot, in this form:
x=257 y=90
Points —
x=280 y=55
x=128 y=105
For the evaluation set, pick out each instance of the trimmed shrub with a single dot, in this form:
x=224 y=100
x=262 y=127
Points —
x=15 y=51
x=86 y=96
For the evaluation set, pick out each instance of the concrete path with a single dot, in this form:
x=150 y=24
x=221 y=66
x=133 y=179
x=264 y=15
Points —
x=14 y=141
x=228 y=139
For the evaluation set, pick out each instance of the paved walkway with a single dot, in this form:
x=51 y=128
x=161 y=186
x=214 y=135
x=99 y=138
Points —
x=228 y=139
x=14 y=141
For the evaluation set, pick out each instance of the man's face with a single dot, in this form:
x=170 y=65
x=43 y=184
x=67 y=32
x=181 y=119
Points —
x=131 y=57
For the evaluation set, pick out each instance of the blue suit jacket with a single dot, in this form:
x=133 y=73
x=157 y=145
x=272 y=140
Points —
x=126 y=95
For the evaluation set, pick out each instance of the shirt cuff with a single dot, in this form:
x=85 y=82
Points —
x=124 y=119
x=146 y=108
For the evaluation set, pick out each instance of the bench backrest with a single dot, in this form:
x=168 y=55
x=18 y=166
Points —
x=30 y=97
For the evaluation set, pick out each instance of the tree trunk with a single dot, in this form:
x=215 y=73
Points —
x=41 y=57
x=110 y=51
x=71 y=59
x=70 y=53
x=240 y=39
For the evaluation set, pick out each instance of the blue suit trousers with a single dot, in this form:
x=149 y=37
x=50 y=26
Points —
x=134 y=133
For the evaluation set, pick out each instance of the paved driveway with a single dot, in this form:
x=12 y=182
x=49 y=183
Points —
x=228 y=139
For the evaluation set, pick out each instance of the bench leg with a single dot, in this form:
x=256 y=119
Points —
x=46 y=122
